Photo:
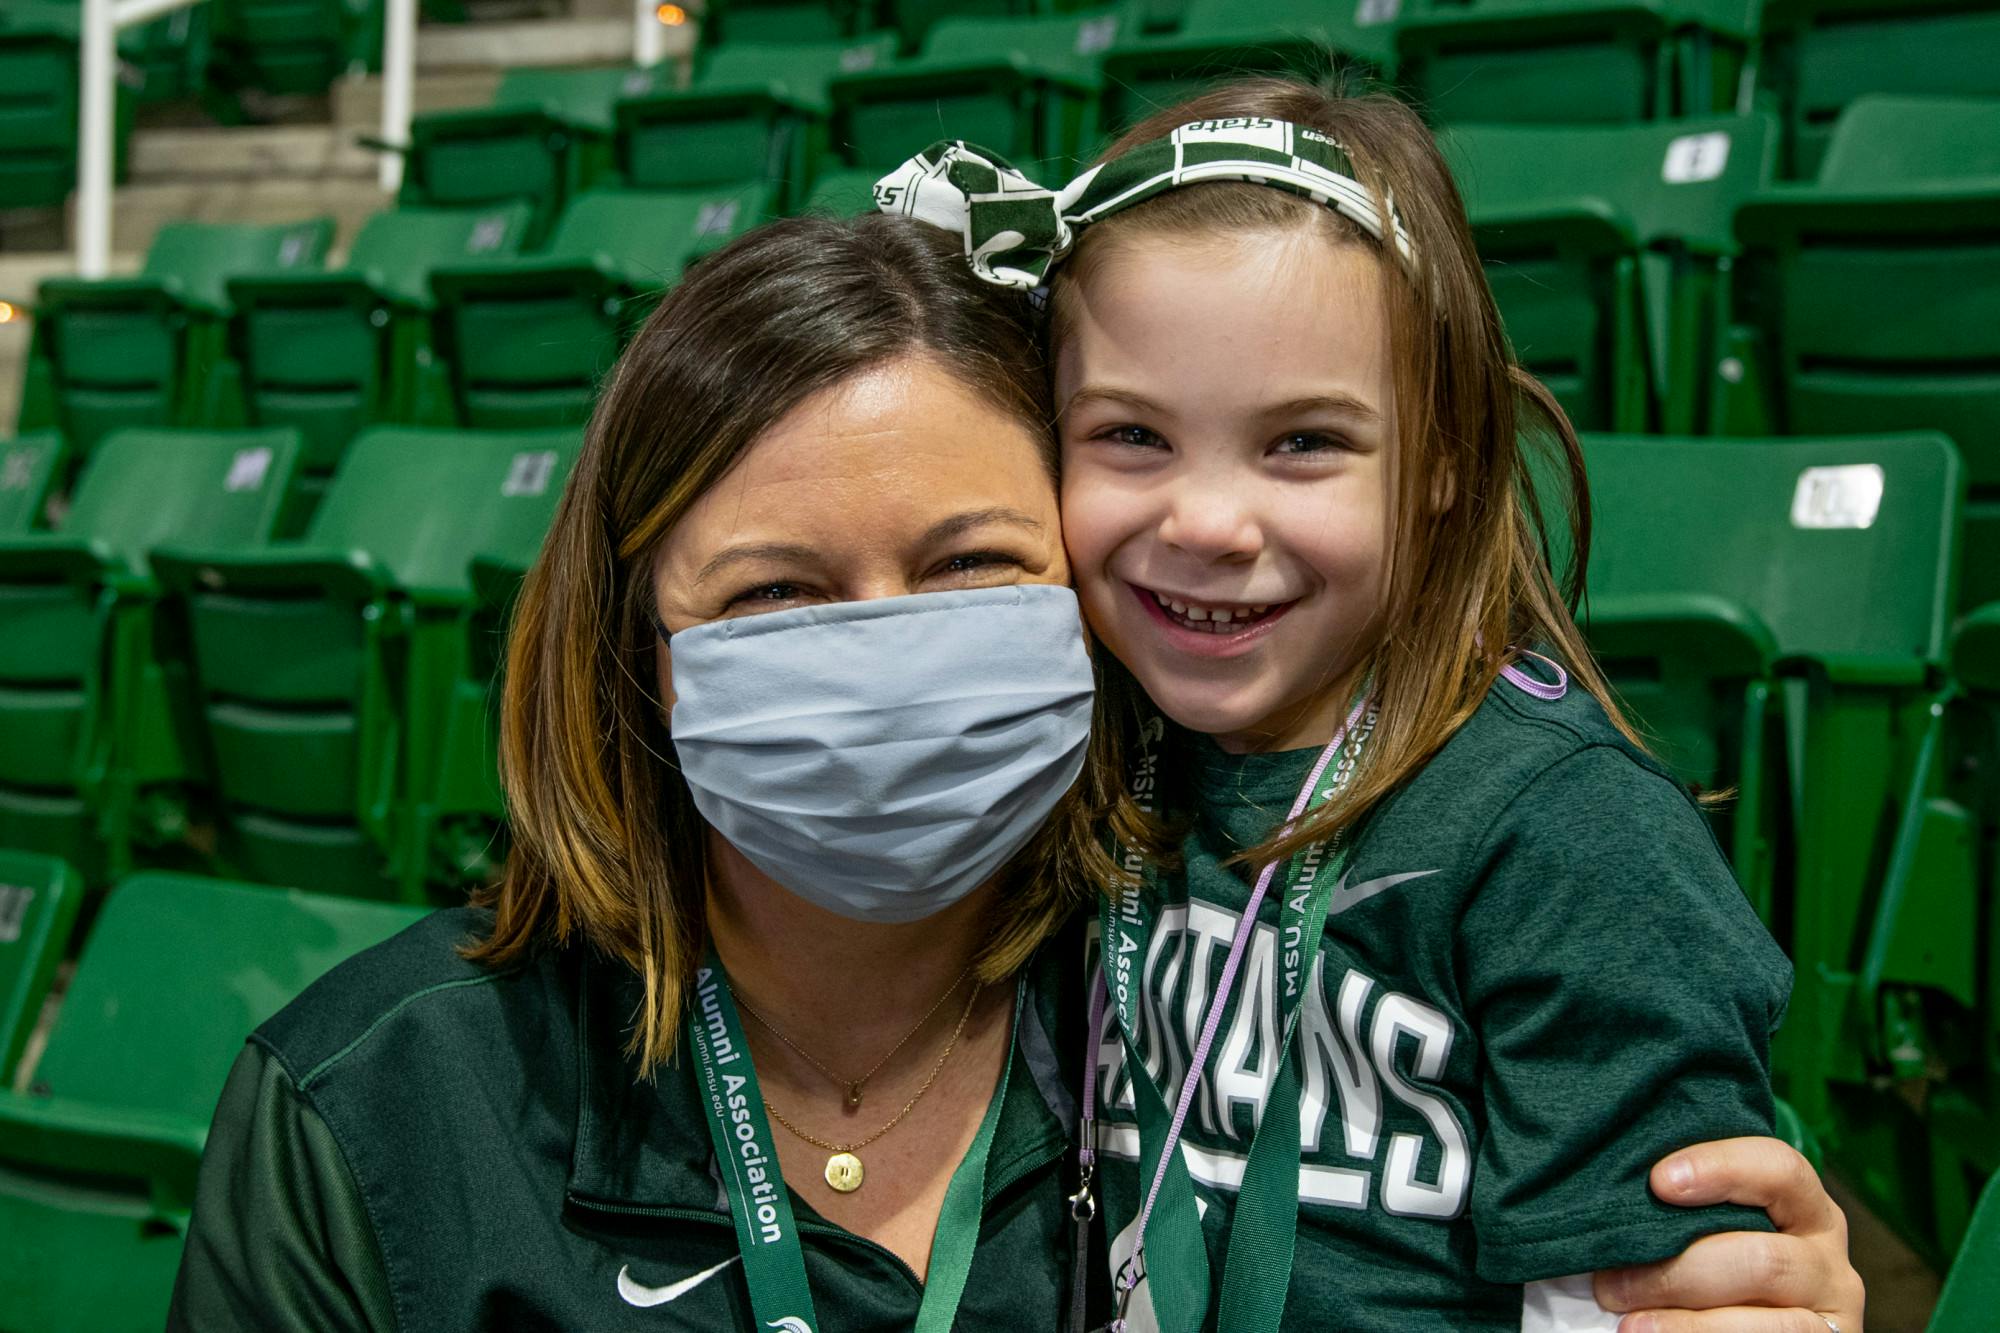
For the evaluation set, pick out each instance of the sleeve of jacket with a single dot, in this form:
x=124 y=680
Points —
x=280 y=1237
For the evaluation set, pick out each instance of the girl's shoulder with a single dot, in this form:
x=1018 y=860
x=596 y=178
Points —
x=1524 y=760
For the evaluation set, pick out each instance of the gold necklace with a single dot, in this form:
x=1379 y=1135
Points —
x=854 y=1086
x=843 y=1167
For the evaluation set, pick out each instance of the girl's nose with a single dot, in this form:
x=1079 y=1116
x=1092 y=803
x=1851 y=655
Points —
x=1209 y=520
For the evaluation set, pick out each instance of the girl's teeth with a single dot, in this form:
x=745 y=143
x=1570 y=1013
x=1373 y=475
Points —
x=1215 y=617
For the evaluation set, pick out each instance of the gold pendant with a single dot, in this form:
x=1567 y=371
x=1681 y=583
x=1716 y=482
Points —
x=854 y=1097
x=843 y=1173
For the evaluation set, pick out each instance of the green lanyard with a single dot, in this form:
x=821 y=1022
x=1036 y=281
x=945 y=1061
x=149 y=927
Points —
x=773 y=1263
x=1264 y=1228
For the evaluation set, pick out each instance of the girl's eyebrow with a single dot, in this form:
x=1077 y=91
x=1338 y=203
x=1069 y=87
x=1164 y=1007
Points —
x=1116 y=397
x=1341 y=403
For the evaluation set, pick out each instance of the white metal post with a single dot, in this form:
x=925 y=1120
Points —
x=399 y=72
x=649 y=37
x=97 y=114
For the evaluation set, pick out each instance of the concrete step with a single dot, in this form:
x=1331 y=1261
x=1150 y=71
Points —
x=606 y=41
x=296 y=152
x=357 y=101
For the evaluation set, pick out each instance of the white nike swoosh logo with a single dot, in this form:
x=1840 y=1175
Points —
x=1344 y=897
x=637 y=1293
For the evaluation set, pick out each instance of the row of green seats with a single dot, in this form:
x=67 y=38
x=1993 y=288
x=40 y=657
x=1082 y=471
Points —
x=1779 y=613
x=436 y=318
x=99 y=1150
x=321 y=706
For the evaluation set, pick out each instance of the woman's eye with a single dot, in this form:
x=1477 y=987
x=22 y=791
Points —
x=766 y=594
x=974 y=562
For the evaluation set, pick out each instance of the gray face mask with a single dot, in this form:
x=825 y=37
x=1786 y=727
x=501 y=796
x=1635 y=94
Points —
x=882 y=759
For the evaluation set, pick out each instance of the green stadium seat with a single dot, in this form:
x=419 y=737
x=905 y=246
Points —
x=736 y=23
x=1574 y=61
x=334 y=351
x=1972 y=1291
x=93 y=712
x=1776 y=612
x=466 y=811
x=39 y=896
x=756 y=111
x=1026 y=88
x=98 y=1156
x=1877 y=292
x=295 y=46
x=1220 y=39
x=324 y=668
x=842 y=192
x=528 y=339
x=914 y=19
x=31 y=467
x=545 y=139
x=38 y=70
x=1607 y=248
x=1823 y=55
x=151 y=350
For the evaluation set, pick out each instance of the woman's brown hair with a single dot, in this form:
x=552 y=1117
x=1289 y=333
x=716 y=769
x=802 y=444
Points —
x=607 y=843
x=1469 y=577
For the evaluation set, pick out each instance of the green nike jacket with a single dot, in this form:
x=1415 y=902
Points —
x=418 y=1143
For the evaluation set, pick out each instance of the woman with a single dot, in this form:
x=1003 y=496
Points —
x=544 y=1114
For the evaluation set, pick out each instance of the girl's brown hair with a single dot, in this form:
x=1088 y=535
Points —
x=607 y=843
x=1469 y=580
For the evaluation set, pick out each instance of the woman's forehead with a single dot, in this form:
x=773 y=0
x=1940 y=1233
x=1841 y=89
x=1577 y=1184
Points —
x=882 y=456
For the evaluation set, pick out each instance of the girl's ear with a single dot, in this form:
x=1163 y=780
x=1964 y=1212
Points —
x=1444 y=488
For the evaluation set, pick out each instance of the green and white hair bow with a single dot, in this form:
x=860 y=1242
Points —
x=1015 y=229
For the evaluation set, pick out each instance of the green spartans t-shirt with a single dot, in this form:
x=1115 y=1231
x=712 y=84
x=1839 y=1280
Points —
x=1537 y=979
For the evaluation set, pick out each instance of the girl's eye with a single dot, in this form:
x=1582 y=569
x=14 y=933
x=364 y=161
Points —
x=1137 y=437
x=1309 y=442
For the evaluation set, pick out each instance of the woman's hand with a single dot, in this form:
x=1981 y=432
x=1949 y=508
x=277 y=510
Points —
x=1797 y=1281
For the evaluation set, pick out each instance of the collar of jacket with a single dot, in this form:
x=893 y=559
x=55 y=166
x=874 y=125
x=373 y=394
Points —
x=641 y=1145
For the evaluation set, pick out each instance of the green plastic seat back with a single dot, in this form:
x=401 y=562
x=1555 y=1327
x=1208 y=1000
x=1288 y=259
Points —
x=1829 y=53
x=1879 y=289
x=845 y=193
x=652 y=235
x=201 y=257
x=804 y=67
x=754 y=111
x=1571 y=61
x=750 y=23
x=38 y=69
x=178 y=971
x=1844 y=548
x=1021 y=87
x=1972 y=1290
x=1167 y=52
x=29 y=467
x=398 y=248
x=1883 y=140
x=503 y=487
x=39 y=896
x=577 y=97
x=221 y=489
x=917 y=20
x=1561 y=213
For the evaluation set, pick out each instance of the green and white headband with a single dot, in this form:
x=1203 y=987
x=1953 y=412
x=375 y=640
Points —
x=1015 y=229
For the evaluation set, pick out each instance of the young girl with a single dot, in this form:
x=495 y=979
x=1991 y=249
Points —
x=1435 y=961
